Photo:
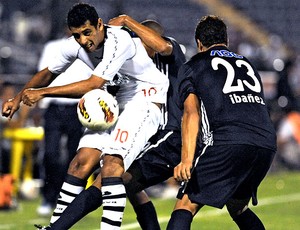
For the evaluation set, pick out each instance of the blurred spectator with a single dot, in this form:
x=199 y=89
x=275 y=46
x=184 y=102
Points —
x=8 y=90
x=284 y=86
x=288 y=133
x=269 y=81
x=294 y=79
x=288 y=140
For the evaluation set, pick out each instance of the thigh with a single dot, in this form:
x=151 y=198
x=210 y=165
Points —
x=157 y=163
x=223 y=172
x=256 y=173
x=53 y=131
x=135 y=126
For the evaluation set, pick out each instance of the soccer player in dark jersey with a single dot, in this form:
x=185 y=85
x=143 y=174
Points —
x=163 y=152
x=222 y=97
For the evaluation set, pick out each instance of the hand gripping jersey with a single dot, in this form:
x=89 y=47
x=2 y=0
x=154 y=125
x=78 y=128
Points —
x=229 y=88
x=123 y=54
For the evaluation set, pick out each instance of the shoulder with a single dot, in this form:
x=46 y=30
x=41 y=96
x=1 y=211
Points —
x=119 y=40
x=173 y=42
x=69 y=44
x=117 y=36
x=177 y=54
x=118 y=31
x=195 y=59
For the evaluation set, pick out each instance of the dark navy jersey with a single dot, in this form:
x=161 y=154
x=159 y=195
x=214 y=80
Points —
x=170 y=65
x=229 y=89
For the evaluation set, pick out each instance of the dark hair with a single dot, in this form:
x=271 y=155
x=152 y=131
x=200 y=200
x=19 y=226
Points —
x=80 y=13
x=211 y=30
x=154 y=25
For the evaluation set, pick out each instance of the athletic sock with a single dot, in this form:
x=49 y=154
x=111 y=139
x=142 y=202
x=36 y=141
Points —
x=249 y=221
x=86 y=202
x=114 y=201
x=180 y=219
x=146 y=216
x=69 y=190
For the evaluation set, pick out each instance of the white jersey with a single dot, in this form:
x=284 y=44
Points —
x=121 y=53
x=122 y=61
x=69 y=76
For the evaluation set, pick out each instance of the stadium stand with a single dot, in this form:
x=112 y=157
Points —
x=258 y=19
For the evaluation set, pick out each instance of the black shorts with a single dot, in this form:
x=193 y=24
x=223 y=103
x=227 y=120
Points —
x=157 y=163
x=227 y=171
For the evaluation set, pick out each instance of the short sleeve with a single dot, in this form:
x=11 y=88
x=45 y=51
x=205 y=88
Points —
x=185 y=83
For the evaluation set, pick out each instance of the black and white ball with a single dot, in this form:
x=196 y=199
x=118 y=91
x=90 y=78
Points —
x=97 y=110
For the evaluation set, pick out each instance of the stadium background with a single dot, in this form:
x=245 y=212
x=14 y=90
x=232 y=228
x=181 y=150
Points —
x=267 y=32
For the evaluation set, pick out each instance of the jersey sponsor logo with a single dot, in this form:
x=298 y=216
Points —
x=225 y=53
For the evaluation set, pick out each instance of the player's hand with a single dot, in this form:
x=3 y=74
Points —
x=30 y=96
x=10 y=107
x=118 y=21
x=182 y=172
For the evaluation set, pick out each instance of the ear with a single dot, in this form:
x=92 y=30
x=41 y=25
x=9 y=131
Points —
x=100 y=23
x=199 y=45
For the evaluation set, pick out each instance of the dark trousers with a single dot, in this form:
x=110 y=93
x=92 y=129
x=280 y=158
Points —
x=60 y=120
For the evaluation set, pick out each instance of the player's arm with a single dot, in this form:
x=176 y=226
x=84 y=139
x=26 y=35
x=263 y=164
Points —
x=150 y=37
x=73 y=90
x=190 y=128
x=40 y=79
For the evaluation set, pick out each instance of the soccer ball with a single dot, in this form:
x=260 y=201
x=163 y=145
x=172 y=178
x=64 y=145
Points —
x=97 y=110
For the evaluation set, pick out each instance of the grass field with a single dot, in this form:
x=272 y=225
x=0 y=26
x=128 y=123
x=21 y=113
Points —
x=279 y=208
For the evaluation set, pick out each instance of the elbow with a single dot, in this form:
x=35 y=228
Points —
x=95 y=82
x=166 y=49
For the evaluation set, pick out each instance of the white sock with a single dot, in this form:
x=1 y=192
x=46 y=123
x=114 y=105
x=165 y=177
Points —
x=114 y=201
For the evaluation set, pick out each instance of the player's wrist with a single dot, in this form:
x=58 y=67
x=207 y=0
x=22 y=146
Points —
x=127 y=21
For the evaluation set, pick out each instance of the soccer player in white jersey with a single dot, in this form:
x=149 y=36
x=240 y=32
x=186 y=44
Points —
x=141 y=95
x=155 y=165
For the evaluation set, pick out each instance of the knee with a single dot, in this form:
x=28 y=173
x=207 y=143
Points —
x=236 y=207
x=74 y=166
x=126 y=177
x=186 y=204
x=81 y=166
x=132 y=184
x=112 y=166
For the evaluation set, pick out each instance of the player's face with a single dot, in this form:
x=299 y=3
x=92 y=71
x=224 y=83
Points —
x=89 y=37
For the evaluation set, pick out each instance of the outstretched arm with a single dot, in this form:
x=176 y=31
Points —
x=73 y=90
x=150 y=37
x=40 y=79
